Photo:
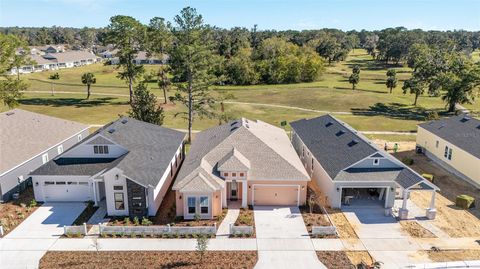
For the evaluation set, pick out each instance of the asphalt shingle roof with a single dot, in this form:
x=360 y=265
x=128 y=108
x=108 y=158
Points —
x=462 y=131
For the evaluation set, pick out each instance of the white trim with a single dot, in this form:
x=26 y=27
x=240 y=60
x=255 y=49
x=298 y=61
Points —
x=15 y=167
x=276 y=185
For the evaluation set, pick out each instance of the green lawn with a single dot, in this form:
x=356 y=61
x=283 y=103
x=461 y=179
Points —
x=372 y=108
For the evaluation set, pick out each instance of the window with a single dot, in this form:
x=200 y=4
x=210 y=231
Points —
x=45 y=158
x=303 y=151
x=376 y=161
x=71 y=183
x=234 y=174
x=312 y=164
x=100 y=149
x=61 y=182
x=118 y=188
x=191 y=205
x=436 y=144
x=60 y=149
x=83 y=183
x=449 y=153
x=225 y=174
x=445 y=154
x=119 y=202
x=48 y=183
x=204 y=205
x=242 y=174
x=79 y=137
x=137 y=204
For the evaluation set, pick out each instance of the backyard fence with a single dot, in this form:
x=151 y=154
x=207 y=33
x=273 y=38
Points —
x=234 y=230
x=156 y=230
x=74 y=230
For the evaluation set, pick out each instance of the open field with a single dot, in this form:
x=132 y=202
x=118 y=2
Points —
x=147 y=259
x=370 y=108
x=454 y=221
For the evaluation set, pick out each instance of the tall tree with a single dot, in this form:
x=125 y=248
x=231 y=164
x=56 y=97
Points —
x=88 y=79
x=191 y=62
x=354 y=79
x=391 y=81
x=159 y=38
x=10 y=89
x=415 y=86
x=127 y=35
x=144 y=106
x=163 y=80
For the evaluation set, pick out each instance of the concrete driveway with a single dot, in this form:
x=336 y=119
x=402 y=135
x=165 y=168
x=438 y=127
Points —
x=26 y=244
x=282 y=239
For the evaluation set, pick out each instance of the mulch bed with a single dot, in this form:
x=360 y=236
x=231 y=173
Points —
x=147 y=259
x=344 y=259
x=414 y=229
x=13 y=212
x=246 y=218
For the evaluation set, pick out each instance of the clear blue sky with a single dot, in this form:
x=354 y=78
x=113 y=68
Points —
x=268 y=14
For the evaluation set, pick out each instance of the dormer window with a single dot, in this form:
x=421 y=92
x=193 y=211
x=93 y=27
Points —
x=242 y=174
x=100 y=149
x=225 y=174
x=234 y=174
x=376 y=161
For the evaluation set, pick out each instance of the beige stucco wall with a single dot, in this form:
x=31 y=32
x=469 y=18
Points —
x=302 y=185
x=215 y=203
x=462 y=161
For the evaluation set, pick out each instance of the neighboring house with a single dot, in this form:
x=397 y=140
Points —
x=28 y=140
x=38 y=64
x=351 y=170
x=453 y=143
x=141 y=58
x=54 y=49
x=108 y=54
x=250 y=161
x=71 y=59
x=129 y=163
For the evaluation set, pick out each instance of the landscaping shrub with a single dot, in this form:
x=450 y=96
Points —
x=136 y=221
x=407 y=161
x=146 y=222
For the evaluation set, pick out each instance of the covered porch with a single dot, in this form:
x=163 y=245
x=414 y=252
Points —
x=235 y=192
x=430 y=212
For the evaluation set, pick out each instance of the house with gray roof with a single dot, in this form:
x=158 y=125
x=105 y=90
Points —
x=28 y=140
x=129 y=163
x=243 y=161
x=454 y=144
x=351 y=170
x=72 y=58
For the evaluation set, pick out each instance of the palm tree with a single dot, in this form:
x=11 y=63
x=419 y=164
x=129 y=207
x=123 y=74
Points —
x=391 y=79
x=88 y=79
x=53 y=77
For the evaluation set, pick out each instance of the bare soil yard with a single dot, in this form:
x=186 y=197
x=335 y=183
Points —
x=344 y=259
x=453 y=255
x=314 y=216
x=454 y=221
x=147 y=259
x=414 y=229
x=12 y=213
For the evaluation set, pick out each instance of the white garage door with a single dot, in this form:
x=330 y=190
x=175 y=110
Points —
x=276 y=195
x=67 y=191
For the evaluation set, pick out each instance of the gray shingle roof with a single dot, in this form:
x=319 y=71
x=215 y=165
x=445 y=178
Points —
x=234 y=161
x=76 y=166
x=150 y=151
x=462 y=131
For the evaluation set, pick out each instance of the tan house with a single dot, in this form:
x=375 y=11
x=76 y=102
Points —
x=247 y=161
x=453 y=143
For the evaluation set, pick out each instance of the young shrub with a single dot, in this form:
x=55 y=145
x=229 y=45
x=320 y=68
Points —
x=33 y=203
x=126 y=220
x=136 y=221
x=201 y=247
x=146 y=222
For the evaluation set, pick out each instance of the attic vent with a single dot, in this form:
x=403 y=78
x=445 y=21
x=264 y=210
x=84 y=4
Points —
x=111 y=131
x=10 y=113
x=339 y=133
x=233 y=129
x=465 y=119
x=233 y=123
x=124 y=121
x=329 y=124
x=353 y=143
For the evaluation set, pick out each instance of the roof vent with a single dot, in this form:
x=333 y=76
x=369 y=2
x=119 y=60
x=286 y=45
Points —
x=339 y=133
x=10 y=113
x=233 y=129
x=353 y=143
x=465 y=119
x=329 y=124
x=124 y=121
x=233 y=123
x=111 y=131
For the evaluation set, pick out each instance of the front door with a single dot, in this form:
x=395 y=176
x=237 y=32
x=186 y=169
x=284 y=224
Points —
x=233 y=190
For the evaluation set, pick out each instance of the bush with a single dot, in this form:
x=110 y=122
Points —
x=146 y=222
x=432 y=115
x=127 y=221
x=408 y=161
x=33 y=203
x=136 y=221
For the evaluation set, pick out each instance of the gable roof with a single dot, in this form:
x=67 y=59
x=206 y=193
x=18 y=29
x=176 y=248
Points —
x=234 y=161
x=462 y=131
x=266 y=149
x=150 y=148
x=70 y=56
x=24 y=134
x=337 y=147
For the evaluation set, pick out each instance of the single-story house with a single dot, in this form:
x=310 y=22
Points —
x=142 y=57
x=129 y=163
x=38 y=64
x=243 y=161
x=351 y=170
x=72 y=58
x=108 y=54
x=28 y=140
x=453 y=143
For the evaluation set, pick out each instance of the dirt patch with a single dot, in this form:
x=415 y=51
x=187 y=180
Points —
x=402 y=145
x=454 y=221
x=344 y=259
x=147 y=259
x=12 y=213
x=313 y=215
x=453 y=255
x=414 y=229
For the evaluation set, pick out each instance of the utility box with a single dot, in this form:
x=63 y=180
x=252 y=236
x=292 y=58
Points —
x=465 y=201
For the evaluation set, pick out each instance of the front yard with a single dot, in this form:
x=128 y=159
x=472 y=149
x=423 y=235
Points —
x=313 y=215
x=12 y=213
x=147 y=259
x=245 y=218
x=344 y=259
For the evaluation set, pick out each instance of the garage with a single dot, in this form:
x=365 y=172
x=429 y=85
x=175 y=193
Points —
x=67 y=191
x=286 y=195
x=364 y=196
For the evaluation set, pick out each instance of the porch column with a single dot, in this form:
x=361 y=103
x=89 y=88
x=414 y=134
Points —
x=244 y=194
x=95 y=192
x=431 y=212
x=403 y=212
x=224 y=195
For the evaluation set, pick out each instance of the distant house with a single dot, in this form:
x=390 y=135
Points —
x=142 y=58
x=129 y=163
x=351 y=170
x=251 y=162
x=38 y=64
x=71 y=59
x=28 y=140
x=453 y=143
x=108 y=54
